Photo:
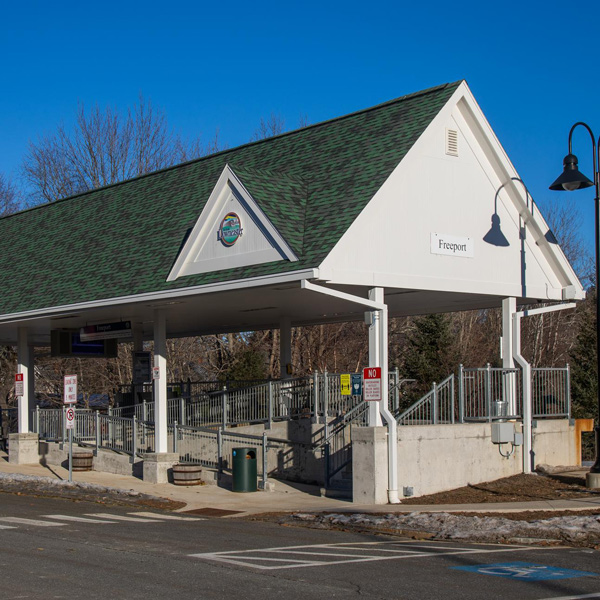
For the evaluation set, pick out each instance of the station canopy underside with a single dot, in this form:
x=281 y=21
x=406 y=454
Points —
x=244 y=309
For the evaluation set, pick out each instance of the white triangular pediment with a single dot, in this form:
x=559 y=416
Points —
x=231 y=231
x=458 y=219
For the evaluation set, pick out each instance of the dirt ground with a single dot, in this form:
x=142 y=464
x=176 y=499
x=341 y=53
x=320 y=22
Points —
x=518 y=488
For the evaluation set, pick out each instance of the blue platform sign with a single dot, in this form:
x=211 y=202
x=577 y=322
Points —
x=356 y=382
x=525 y=571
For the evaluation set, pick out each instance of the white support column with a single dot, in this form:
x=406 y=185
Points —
x=509 y=387
x=285 y=346
x=509 y=308
x=528 y=454
x=24 y=367
x=375 y=347
x=526 y=374
x=31 y=383
x=160 y=384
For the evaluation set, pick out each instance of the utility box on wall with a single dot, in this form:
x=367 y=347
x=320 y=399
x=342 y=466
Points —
x=503 y=433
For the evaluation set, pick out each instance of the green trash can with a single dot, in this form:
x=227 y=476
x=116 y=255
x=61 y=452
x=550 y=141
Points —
x=244 y=470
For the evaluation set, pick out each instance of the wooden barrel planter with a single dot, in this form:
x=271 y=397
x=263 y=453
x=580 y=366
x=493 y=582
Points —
x=82 y=461
x=187 y=474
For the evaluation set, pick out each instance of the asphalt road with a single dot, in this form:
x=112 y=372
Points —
x=53 y=548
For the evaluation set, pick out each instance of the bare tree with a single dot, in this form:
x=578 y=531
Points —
x=105 y=146
x=564 y=220
x=273 y=125
x=9 y=197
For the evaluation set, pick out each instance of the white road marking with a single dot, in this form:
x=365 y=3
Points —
x=249 y=558
x=121 y=518
x=167 y=517
x=594 y=595
x=35 y=522
x=7 y=527
x=76 y=519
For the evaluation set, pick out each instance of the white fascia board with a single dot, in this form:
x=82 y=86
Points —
x=434 y=284
x=225 y=286
x=227 y=180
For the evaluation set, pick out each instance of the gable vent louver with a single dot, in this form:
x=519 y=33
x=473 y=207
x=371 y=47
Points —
x=452 y=142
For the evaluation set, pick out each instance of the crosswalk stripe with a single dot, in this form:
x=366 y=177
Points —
x=167 y=517
x=35 y=522
x=76 y=519
x=122 y=518
x=7 y=527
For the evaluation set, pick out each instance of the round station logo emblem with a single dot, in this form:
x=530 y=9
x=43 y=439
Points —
x=230 y=229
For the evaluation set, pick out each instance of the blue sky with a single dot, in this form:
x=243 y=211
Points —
x=532 y=66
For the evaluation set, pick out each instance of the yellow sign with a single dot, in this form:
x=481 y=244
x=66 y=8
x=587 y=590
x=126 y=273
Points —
x=345 y=386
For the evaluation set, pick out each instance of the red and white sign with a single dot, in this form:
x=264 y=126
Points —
x=70 y=418
x=19 y=384
x=70 y=396
x=372 y=384
x=155 y=372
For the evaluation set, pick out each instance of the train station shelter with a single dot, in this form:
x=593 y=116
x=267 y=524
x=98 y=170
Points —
x=405 y=208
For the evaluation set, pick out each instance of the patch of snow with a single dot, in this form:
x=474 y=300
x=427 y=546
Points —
x=460 y=527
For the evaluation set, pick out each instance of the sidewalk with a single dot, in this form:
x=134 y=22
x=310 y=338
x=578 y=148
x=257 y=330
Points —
x=287 y=497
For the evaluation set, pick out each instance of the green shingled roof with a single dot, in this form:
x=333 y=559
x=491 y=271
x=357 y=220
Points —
x=123 y=239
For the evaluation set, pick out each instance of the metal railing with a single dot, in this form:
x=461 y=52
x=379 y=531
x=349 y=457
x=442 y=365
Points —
x=551 y=392
x=489 y=394
x=437 y=406
x=337 y=443
x=196 y=425
x=211 y=404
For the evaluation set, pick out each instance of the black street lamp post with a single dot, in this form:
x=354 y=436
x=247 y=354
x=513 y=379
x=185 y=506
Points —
x=571 y=179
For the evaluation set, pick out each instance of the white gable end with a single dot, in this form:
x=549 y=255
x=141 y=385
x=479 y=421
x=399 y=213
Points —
x=232 y=231
x=453 y=216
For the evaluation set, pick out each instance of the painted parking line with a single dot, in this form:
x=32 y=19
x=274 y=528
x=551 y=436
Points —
x=167 y=517
x=525 y=571
x=594 y=595
x=323 y=555
x=34 y=522
x=122 y=518
x=76 y=519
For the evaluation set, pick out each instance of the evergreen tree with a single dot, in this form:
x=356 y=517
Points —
x=429 y=354
x=249 y=364
x=584 y=365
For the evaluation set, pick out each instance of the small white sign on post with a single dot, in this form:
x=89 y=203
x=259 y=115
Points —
x=372 y=384
x=155 y=372
x=19 y=391
x=70 y=418
x=70 y=396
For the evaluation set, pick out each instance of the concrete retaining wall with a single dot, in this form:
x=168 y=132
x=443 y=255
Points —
x=555 y=442
x=435 y=458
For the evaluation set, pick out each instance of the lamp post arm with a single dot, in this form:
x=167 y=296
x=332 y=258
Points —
x=595 y=149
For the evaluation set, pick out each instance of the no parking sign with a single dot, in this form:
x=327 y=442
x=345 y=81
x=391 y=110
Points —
x=70 y=418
